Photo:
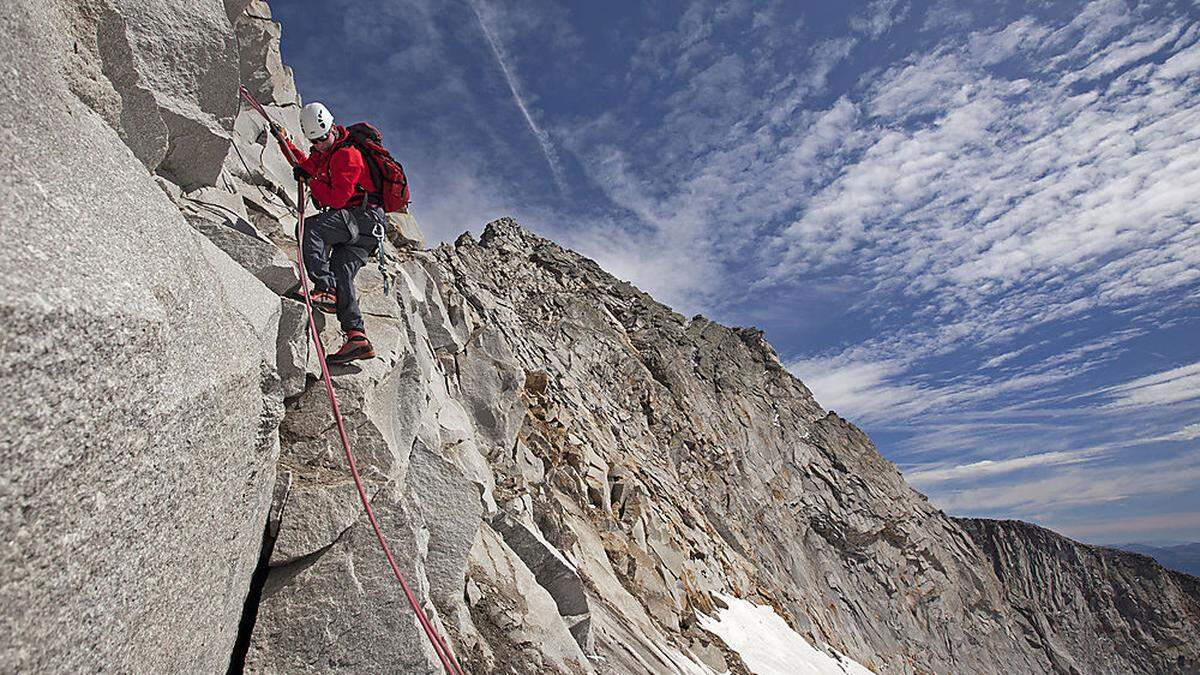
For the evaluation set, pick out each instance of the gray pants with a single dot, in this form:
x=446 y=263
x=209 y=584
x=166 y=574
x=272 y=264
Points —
x=336 y=245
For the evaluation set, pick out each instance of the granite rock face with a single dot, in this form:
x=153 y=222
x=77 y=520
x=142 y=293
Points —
x=1093 y=609
x=668 y=458
x=404 y=232
x=141 y=396
x=263 y=71
x=522 y=618
x=330 y=601
x=159 y=73
x=569 y=473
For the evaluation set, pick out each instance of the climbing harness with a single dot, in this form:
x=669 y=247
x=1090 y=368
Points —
x=439 y=646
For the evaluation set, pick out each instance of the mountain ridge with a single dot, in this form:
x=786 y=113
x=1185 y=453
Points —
x=1179 y=557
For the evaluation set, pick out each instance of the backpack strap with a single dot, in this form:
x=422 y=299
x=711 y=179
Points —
x=372 y=166
x=376 y=178
x=373 y=198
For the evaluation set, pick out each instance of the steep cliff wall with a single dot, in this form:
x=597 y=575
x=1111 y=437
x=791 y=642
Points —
x=138 y=422
x=1094 y=609
x=574 y=478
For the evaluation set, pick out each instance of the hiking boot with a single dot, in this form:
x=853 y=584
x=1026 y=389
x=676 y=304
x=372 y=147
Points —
x=326 y=301
x=357 y=347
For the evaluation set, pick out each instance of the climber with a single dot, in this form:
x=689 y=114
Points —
x=338 y=241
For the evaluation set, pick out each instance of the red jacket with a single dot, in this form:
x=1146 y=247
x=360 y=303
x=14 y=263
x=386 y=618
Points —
x=336 y=174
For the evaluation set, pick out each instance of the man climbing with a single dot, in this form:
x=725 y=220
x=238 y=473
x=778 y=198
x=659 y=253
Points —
x=338 y=241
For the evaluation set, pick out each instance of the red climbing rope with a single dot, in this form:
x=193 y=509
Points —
x=439 y=646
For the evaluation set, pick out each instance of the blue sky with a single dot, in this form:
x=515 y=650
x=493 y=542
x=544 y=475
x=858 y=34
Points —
x=971 y=228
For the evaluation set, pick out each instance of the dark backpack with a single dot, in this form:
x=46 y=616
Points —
x=387 y=174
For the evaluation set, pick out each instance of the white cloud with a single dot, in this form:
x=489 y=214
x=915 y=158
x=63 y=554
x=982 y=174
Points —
x=465 y=202
x=1094 y=26
x=1188 y=433
x=514 y=86
x=989 y=467
x=1001 y=359
x=1001 y=205
x=1141 y=528
x=889 y=391
x=1131 y=48
x=1075 y=485
x=1183 y=64
x=998 y=443
x=880 y=16
x=1162 y=388
x=861 y=389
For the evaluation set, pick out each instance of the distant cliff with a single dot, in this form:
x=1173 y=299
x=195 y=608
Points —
x=1094 y=609
x=574 y=477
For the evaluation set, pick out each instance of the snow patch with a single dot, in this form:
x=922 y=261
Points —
x=768 y=646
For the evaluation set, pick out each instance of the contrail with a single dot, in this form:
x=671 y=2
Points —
x=543 y=138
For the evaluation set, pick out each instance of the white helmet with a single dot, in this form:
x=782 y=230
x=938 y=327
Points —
x=315 y=121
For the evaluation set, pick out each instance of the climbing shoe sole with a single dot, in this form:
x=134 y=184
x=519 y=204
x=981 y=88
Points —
x=360 y=353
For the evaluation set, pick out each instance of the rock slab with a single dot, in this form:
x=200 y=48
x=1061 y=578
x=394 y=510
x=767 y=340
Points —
x=139 y=425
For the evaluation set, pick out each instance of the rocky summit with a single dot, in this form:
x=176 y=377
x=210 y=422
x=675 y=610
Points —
x=573 y=477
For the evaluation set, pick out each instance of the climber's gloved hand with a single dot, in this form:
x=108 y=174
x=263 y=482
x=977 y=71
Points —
x=278 y=131
x=300 y=174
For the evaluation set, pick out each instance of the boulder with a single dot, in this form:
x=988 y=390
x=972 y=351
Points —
x=316 y=517
x=234 y=8
x=277 y=210
x=162 y=75
x=450 y=510
x=255 y=156
x=295 y=357
x=263 y=72
x=227 y=226
x=216 y=205
x=403 y=231
x=418 y=285
x=340 y=607
x=489 y=381
x=263 y=260
x=380 y=416
x=510 y=608
x=447 y=426
x=552 y=571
